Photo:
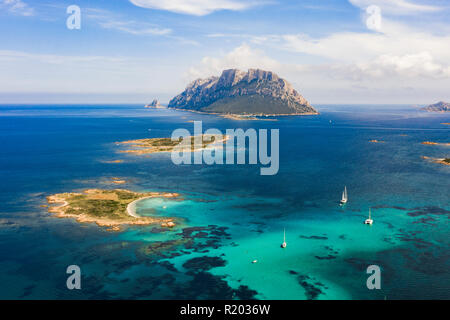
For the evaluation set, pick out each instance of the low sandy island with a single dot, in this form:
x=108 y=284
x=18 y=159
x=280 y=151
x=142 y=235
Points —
x=107 y=208
x=445 y=161
x=376 y=141
x=157 y=145
x=112 y=161
x=116 y=180
x=446 y=123
x=436 y=143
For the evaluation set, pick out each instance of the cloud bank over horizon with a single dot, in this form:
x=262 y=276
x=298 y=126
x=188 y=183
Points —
x=194 y=7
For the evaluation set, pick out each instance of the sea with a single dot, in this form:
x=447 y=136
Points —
x=230 y=219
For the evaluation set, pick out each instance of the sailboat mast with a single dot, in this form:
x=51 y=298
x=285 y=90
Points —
x=344 y=196
x=284 y=235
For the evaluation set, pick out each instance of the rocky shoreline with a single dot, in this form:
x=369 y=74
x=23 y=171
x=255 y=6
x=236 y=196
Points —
x=106 y=208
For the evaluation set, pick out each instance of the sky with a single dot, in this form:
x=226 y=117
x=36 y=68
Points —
x=133 y=51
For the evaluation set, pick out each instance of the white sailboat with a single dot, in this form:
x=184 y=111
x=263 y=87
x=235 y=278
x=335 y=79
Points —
x=369 y=221
x=284 y=244
x=344 y=196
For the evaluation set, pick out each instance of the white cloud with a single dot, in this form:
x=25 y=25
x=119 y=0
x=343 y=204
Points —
x=350 y=56
x=17 y=7
x=396 y=7
x=409 y=65
x=242 y=57
x=11 y=55
x=194 y=7
x=357 y=47
x=109 y=20
x=133 y=28
x=387 y=78
x=52 y=73
x=399 y=63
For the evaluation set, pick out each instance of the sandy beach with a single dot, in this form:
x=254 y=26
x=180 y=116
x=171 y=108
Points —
x=65 y=209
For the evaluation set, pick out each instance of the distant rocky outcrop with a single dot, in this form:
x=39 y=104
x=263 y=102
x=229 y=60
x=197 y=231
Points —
x=438 y=107
x=255 y=92
x=155 y=104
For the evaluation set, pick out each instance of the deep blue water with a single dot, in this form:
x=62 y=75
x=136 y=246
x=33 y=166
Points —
x=231 y=215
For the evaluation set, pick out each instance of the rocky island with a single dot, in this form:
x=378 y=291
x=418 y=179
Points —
x=154 y=104
x=438 y=107
x=445 y=161
x=255 y=92
x=108 y=208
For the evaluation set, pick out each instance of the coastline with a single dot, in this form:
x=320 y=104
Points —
x=145 y=146
x=131 y=208
x=444 y=161
x=224 y=115
x=244 y=118
x=71 y=206
x=436 y=143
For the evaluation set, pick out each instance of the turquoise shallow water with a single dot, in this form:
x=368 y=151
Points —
x=229 y=215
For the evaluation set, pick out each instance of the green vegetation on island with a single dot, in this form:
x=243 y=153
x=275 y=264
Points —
x=154 y=145
x=111 y=208
x=235 y=92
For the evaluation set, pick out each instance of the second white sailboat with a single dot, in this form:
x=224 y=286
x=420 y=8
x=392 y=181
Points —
x=284 y=244
x=344 y=198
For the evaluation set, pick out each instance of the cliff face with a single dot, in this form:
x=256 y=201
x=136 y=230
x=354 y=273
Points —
x=438 y=107
x=238 y=92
